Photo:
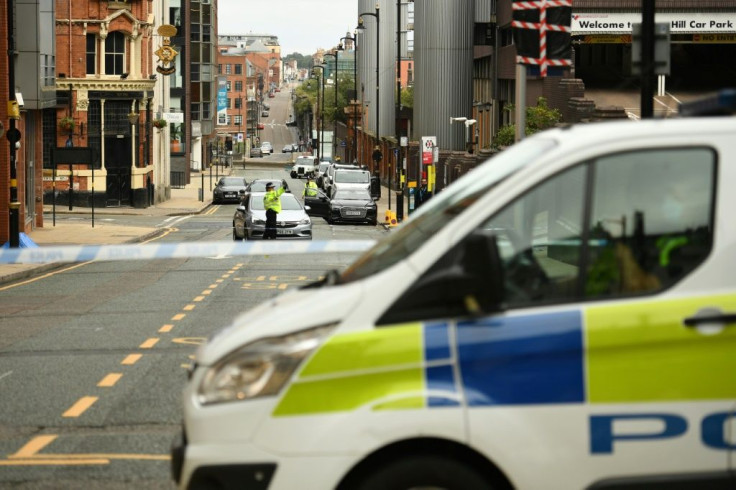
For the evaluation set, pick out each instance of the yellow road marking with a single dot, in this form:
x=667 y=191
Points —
x=158 y=237
x=198 y=299
x=207 y=292
x=178 y=317
x=29 y=281
x=110 y=380
x=189 y=307
x=219 y=281
x=52 y=462
x=149 y=343
x=80 y=406
x=165 y=328
x=75 y=266
x=131 y=359
x=190 y=340
x=34 y=445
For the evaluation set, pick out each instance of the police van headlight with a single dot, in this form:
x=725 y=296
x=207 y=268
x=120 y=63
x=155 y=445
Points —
x=260 y=368
x=305 y=221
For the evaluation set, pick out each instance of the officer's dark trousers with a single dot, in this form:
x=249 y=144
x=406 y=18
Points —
x=270 y=232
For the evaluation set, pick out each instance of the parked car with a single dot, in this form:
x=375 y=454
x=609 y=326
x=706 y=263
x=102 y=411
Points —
x=255 y=152
x=249 y=220
x=266 y=107
x=259 y=185
x=291 y=122
x=330 y=175
x=287 y=148
x=228 y=189
x=305 y=166
x=264 y=113
x=266 y=148
x=271 y=95
x=261 y=126
x=350 y=179
x=348 y=205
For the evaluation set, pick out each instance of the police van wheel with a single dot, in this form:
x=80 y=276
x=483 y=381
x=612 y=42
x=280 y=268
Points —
x=425 y=472
x=236 y=238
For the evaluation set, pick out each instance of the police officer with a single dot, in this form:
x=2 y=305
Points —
x=310 y=188
x=272 y=205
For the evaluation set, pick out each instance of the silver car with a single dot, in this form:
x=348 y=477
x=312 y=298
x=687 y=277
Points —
x=249 y=220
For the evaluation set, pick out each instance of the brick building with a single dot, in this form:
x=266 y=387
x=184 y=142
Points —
x=106 y=75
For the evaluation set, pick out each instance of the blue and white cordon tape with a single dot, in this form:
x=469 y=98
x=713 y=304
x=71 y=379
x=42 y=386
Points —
x=85 y=253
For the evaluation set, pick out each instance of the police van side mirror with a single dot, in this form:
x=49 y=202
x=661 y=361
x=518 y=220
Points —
x=467 y=281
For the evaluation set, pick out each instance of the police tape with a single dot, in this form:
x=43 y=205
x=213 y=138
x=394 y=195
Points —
x=149 y=251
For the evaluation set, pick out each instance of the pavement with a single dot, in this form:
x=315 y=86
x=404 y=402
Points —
x=183 y=202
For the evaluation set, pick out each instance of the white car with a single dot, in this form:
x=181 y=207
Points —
x=563 y=316
x=266 y=148
x=305 y=166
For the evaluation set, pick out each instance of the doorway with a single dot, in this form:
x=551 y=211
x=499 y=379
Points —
x=117 y=164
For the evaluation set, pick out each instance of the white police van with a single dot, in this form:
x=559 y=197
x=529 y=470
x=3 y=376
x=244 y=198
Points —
x=562 y=317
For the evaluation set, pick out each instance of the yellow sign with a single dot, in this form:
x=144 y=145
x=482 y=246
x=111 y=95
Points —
x=607 y=39
x=714 y=38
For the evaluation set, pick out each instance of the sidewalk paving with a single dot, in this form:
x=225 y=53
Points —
x=183 y=202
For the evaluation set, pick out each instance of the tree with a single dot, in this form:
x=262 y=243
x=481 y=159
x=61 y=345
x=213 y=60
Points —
x=407 y=96
x=538 y=118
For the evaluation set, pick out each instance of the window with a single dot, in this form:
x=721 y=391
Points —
x=539 y=240
x=238 y=69
x=91 y=54
x=650 y=220
x=229 y=85
x=219 y=69
x=228 y=69
x=650 y=225
x=115 y=53
x=238 y=103
x=238 y=86
x=238 y=120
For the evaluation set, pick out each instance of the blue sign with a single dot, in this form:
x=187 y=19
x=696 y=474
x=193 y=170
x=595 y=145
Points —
x=222 y=101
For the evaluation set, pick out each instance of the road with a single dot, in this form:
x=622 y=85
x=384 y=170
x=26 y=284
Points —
x=93 y=357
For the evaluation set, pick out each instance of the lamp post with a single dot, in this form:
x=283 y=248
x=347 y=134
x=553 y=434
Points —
x=355 y=89
x=334 y=114
x=321 y=110
x=378 y=58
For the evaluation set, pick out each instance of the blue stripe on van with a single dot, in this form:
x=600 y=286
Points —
x=520 y=360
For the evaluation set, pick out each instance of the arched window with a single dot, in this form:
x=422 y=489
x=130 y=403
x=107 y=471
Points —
x=115 y=53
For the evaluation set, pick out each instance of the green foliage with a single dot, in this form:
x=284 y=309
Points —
x=302 y=61
x=306 y=98
x=538 y=118
x=407 y=96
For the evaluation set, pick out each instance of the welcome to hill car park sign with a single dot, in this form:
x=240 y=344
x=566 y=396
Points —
x=680 y=23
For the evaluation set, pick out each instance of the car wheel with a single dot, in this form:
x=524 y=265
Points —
x=236 y=238
x=373 y=222
x=425 y=471
x=293 y=174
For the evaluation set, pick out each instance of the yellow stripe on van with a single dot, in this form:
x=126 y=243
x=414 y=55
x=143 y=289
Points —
x=643 y=352
x=357 y=369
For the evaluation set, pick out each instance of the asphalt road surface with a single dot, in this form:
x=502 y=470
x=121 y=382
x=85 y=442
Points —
x=94 y=356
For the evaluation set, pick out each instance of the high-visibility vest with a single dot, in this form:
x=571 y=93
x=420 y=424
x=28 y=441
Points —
x=310 y=189
x=271 y=200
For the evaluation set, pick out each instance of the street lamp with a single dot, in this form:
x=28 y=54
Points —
x=355 y=89
x=334 y=115
x=378 y=52
x=321 y=109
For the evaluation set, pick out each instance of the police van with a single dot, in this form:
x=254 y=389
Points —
x=562 y=317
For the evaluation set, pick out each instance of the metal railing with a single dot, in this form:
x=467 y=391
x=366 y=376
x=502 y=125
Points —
x=178 y=180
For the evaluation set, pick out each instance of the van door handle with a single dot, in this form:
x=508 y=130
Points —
x=710 y=316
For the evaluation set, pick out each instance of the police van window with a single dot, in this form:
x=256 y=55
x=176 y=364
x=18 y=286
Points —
x=539 y=240
x=650 y=219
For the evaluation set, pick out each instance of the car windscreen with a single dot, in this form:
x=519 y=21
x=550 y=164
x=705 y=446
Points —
x=232 y=181
x=352 y=194
x=352 y=177
x=445 y=207
x=288 y=203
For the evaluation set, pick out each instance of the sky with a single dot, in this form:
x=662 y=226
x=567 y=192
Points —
x=302 y=26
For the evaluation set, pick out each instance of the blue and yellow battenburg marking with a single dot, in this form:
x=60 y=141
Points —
x=636 y=352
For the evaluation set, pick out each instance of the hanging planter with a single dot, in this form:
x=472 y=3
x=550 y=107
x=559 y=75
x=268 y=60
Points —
x=67 y=124
x=160 y=123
